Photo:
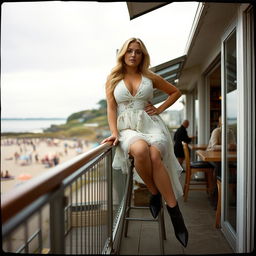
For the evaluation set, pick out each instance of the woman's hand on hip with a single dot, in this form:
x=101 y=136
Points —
x=151 y=109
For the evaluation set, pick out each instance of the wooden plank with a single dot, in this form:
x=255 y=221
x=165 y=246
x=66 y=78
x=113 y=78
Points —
x=197 y=146
x=215 y=156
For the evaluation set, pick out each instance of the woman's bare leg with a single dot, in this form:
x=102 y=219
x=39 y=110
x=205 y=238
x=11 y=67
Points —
x=140 y=151
x=161 y=177
x=163 y=182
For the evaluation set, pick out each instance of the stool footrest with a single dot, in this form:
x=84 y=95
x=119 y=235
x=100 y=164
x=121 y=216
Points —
x=140 y=219
x=139 y=207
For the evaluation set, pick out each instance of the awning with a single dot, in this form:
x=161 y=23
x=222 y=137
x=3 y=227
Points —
x=170 y=71
x=137 y=9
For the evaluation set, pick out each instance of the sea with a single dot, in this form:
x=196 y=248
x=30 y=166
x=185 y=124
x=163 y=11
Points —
x=35 y=125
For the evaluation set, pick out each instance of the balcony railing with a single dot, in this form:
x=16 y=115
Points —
x=74 y=208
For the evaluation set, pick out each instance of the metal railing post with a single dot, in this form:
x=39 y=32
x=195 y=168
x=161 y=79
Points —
x=57 y=227
x=110 y=200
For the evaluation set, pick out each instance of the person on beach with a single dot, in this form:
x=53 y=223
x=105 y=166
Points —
x=16 y=156
x=139 y=132
x=7 y=175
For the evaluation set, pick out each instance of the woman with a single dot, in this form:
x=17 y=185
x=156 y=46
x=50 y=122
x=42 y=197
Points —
x=139 y=132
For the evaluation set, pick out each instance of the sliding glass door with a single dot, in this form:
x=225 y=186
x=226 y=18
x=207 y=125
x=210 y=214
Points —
x=229 y=135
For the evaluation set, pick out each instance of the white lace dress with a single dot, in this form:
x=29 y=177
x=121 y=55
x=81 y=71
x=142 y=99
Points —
x=134 y=123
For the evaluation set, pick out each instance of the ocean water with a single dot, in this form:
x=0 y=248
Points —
x=28 y=125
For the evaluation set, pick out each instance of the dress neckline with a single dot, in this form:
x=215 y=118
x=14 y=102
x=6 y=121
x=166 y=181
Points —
x=138 y=88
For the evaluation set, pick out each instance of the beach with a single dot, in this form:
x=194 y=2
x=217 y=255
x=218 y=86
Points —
x=28 y=158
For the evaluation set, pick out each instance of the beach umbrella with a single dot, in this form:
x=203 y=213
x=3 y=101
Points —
x=24 y=176
x=24 y=157
x=56 y=141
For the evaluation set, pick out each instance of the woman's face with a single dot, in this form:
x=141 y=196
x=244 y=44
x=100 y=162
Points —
x=133 y=55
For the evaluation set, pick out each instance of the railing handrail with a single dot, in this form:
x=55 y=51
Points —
x=21 y=196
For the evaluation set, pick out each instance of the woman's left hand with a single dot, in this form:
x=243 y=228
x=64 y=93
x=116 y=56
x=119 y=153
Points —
x=151 y=109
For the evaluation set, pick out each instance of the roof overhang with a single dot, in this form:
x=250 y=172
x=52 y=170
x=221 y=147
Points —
x=204 y=43
x=137 y=9
x=170 y=71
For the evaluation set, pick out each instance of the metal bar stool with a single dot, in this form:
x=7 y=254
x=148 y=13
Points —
x=127 y=208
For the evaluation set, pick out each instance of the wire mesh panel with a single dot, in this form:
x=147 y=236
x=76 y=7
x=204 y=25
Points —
x=87 y=211
x=73 y=218
x=32 y=236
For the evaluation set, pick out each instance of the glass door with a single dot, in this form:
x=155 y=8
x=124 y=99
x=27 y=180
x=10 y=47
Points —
x=229 y=136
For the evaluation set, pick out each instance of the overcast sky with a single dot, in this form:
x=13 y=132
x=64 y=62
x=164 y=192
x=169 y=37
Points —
x=55 y=56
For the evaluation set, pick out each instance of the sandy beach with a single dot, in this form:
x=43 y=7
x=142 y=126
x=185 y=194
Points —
x=35 y=157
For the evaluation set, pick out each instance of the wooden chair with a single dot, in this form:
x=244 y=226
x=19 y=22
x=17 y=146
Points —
x=194 y=167
x=232 y=187
x=218 y=210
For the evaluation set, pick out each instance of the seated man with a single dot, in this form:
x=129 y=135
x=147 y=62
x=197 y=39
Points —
x=215 y=145
x=215 y=140
x=179 y=136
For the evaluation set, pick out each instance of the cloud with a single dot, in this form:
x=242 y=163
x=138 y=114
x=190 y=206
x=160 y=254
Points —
x=56 y=93
x=56 y=55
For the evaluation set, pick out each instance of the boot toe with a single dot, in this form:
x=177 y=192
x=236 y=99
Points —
x=154 y=211
x=183 y=238
x=155 y=205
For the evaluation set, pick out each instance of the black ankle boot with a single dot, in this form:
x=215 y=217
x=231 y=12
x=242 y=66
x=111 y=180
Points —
x=180 y=229
x=155 y=204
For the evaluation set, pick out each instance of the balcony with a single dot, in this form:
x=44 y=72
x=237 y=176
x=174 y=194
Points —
x=199 y=215
x=76 y=209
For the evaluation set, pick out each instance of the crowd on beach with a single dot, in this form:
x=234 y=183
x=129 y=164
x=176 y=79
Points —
x=27 y=153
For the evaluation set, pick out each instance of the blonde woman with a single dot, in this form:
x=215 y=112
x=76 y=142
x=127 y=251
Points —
x=139 y=132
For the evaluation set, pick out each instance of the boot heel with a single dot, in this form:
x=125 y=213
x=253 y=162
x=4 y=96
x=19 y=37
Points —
x=180 y=229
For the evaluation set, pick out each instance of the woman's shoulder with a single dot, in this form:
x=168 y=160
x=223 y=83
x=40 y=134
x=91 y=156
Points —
x=153 y=77
x=150 y=76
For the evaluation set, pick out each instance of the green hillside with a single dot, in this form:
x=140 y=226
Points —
x=88 y=124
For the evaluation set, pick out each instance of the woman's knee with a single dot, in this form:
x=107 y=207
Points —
x=139 y=149
x=155 y=156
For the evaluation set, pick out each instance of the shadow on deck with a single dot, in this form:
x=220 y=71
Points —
x=199 y=216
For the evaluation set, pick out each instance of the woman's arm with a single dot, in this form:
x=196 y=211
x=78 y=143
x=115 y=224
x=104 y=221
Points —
x=112 y=116
x=163 y=85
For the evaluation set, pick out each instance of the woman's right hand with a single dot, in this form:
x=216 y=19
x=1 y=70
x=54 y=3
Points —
x=113 y=137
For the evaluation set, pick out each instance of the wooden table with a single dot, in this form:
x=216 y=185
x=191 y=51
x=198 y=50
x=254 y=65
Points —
x=214 y=156
x=194 y=147
x=197 y=146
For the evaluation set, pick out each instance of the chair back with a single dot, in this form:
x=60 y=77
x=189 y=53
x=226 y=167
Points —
x=187 y=156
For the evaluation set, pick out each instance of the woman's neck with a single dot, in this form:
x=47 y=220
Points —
x=131 y=70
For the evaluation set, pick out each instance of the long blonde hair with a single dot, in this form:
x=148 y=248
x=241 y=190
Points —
x=117 y=73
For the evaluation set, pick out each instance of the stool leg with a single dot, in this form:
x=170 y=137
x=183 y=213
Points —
x=124 y=210
x=128 y=206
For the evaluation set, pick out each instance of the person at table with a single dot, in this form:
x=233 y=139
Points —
x=215 y=139
x=215 y=145
x=181 y=135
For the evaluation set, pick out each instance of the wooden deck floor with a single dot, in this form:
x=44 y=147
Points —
x=199 y=216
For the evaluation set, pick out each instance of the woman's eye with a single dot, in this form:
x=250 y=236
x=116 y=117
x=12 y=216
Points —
x=138 y=52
